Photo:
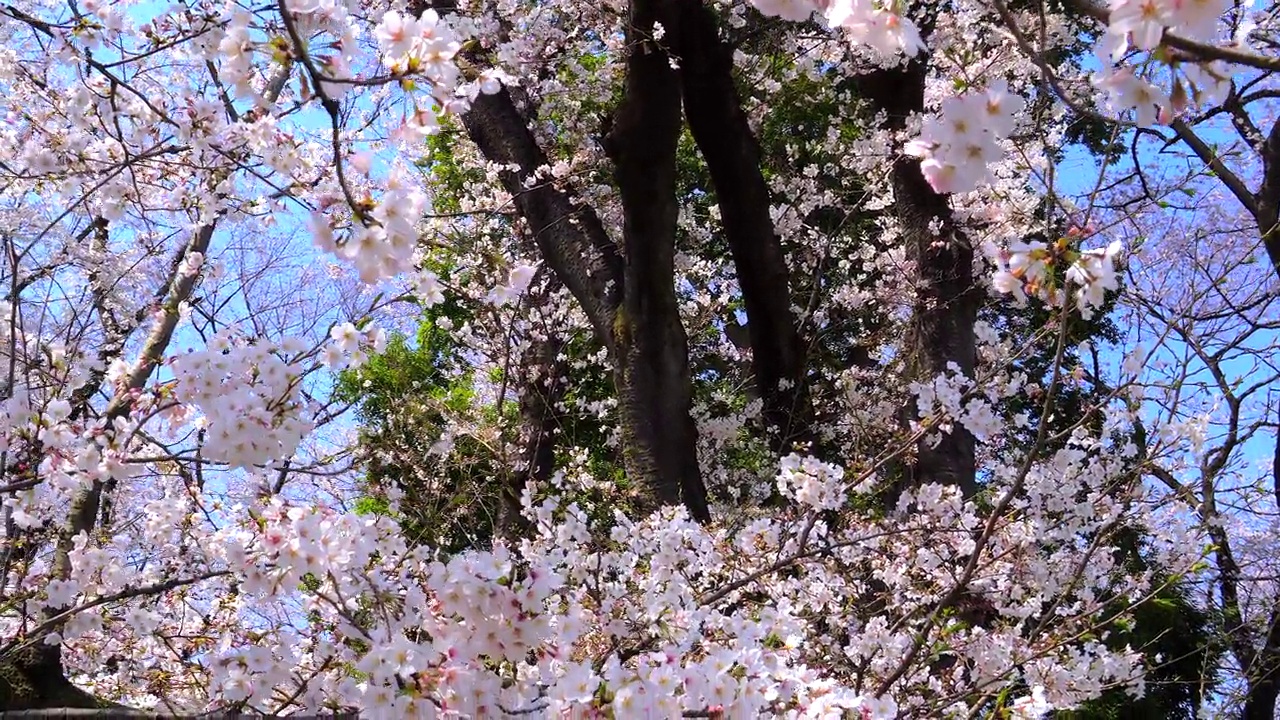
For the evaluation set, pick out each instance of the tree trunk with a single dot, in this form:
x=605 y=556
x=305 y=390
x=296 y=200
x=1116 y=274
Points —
x=1262 y=670
x=629 y=297
x=1267 y=212
x=568 y=234
x=724 y=137
x=652 y=366
x=1263 y=691
x=541 y=380
x=941 y=333
x=32 y=679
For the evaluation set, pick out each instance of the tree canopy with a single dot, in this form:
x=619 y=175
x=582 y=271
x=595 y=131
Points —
x=781 y=358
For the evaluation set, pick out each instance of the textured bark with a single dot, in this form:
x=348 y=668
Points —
x=32 y=679
x=724 y=137
x=628 y=296
x=946 y=306
x=1263 y=673
x=1264 y=680
x=653 y=377
x=1259 y=657
x=1267 y=212
x=569 y=235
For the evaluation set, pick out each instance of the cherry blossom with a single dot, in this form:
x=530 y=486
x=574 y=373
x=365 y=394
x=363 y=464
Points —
x=222 y=221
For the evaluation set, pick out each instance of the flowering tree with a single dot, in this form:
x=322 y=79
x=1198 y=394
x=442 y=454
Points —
x=1200 y=302
x=768 y=319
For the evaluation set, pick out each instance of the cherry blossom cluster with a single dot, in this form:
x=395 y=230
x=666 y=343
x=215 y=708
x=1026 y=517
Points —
x=876 y=24
x=382 y=241
x=78 y=454
x=249 y=396
x=518 y=280
x=1028 y=269
x=1141 y=25
x=879 y=25
x=812 y=483
x=720 y=433
x=349 y=347
x=958 y=145
x=379 y=236
x=483 y=615
x=421 y=46
x=540 y=630
x=428 y=289
x=1142 y=92
x=280 y=598
x=951 y=398
x=1092 y=275
x=549 y=626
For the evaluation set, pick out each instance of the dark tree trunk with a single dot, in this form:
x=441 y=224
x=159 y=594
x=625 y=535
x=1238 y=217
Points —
x=629 y=297
x=1262 y=668
x=1267 y=213
x=946 y=306
x=32 y=679
x=724 y=137
x=568 y=234
x=1264 y=688
x=652 y=371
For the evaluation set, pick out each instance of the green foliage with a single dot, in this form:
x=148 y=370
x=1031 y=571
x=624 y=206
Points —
x=582 y=431
x=373 y=506
x=1176 y=639
x=405 y=397
x=447 y=178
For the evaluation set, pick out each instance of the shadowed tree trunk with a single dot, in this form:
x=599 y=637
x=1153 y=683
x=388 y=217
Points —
x=724 y=138
x=542 y=383
x=946 y=302
x=628 y=296
x=653 y=377
x=1266 y=208
x=32 y=679
x=568 y=235
x=1262 y=669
